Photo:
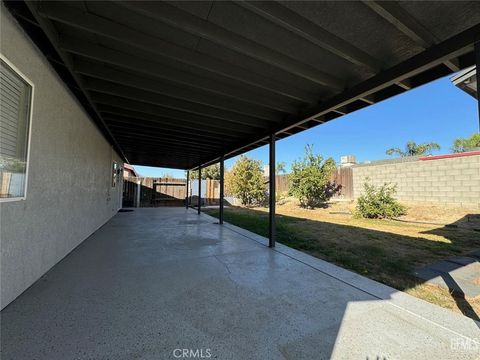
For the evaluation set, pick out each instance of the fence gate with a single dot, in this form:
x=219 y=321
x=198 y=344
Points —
x=129 y=191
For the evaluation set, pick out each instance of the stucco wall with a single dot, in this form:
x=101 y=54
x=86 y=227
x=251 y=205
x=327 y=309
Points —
x=452 y=181
x=69 y=193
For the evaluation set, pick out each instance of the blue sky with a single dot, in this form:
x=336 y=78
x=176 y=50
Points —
x=437 y=112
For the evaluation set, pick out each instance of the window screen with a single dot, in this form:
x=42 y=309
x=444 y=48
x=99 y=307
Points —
x=15 y=99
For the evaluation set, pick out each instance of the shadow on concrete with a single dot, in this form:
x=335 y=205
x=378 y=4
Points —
x=459 y=296
x=459 y=274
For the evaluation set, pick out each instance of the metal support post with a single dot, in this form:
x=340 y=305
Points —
x=271 y=209
x=199 y=189
x=222 y=185
x=187 y=189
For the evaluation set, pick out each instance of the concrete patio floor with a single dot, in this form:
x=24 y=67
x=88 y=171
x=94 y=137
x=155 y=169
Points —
x=155 y=280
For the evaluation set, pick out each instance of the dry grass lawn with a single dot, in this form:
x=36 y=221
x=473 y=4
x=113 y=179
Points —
x=384 y=250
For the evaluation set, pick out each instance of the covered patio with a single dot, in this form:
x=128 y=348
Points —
x=159 y=279
x=185 y=85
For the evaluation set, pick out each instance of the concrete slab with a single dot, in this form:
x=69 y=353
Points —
x=156 y=280
x=460 y=274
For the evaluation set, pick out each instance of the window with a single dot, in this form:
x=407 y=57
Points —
x=114 y=173
x=15 y=107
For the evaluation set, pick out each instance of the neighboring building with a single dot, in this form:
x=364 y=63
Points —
x=59 y=177
x=266 y=170
x=467 y=81
x=129 y=171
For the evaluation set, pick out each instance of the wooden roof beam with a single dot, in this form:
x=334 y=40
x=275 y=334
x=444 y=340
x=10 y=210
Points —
x=113 y=57
x=98 y=25
x=392 y=12
x=197 y=26
x=310 y=31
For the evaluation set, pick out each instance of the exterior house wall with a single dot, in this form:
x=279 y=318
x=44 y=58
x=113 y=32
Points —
x=69 y=190
x=451 y=181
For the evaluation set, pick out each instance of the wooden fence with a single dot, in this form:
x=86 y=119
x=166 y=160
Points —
x=167 y=192
x=154 y=191
x=342 y=177
x=281 y=183
x=172 y=191
x=212 y=192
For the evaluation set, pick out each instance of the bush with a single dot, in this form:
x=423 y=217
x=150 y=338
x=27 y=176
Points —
x=310 y=179
x=281 y=197
x=246 y=182
x=378 y=202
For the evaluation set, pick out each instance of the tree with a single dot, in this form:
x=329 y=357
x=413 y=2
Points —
x=466 y=144
x=210 y=172
x=245 y=181
x=310 y=179
x=280 y=168
x=414 y=149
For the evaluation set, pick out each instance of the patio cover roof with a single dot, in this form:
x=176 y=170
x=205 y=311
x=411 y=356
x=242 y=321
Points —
x=178 y=84
x=467 y=81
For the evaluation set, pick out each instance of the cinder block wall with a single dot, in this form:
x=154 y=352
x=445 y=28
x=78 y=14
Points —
x=452 y=181
x=69 y=188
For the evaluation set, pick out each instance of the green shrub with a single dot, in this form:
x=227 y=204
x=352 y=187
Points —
x=378 y=202
x=310 y=179
x=281 y=197
x=245 y=181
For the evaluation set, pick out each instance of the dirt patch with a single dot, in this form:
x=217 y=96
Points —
x=416 y=213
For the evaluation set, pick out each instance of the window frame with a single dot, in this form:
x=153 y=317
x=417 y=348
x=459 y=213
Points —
x=29 y=135
x=115 y=174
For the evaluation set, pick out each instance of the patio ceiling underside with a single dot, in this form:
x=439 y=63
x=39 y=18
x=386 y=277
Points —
x=178 y=84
